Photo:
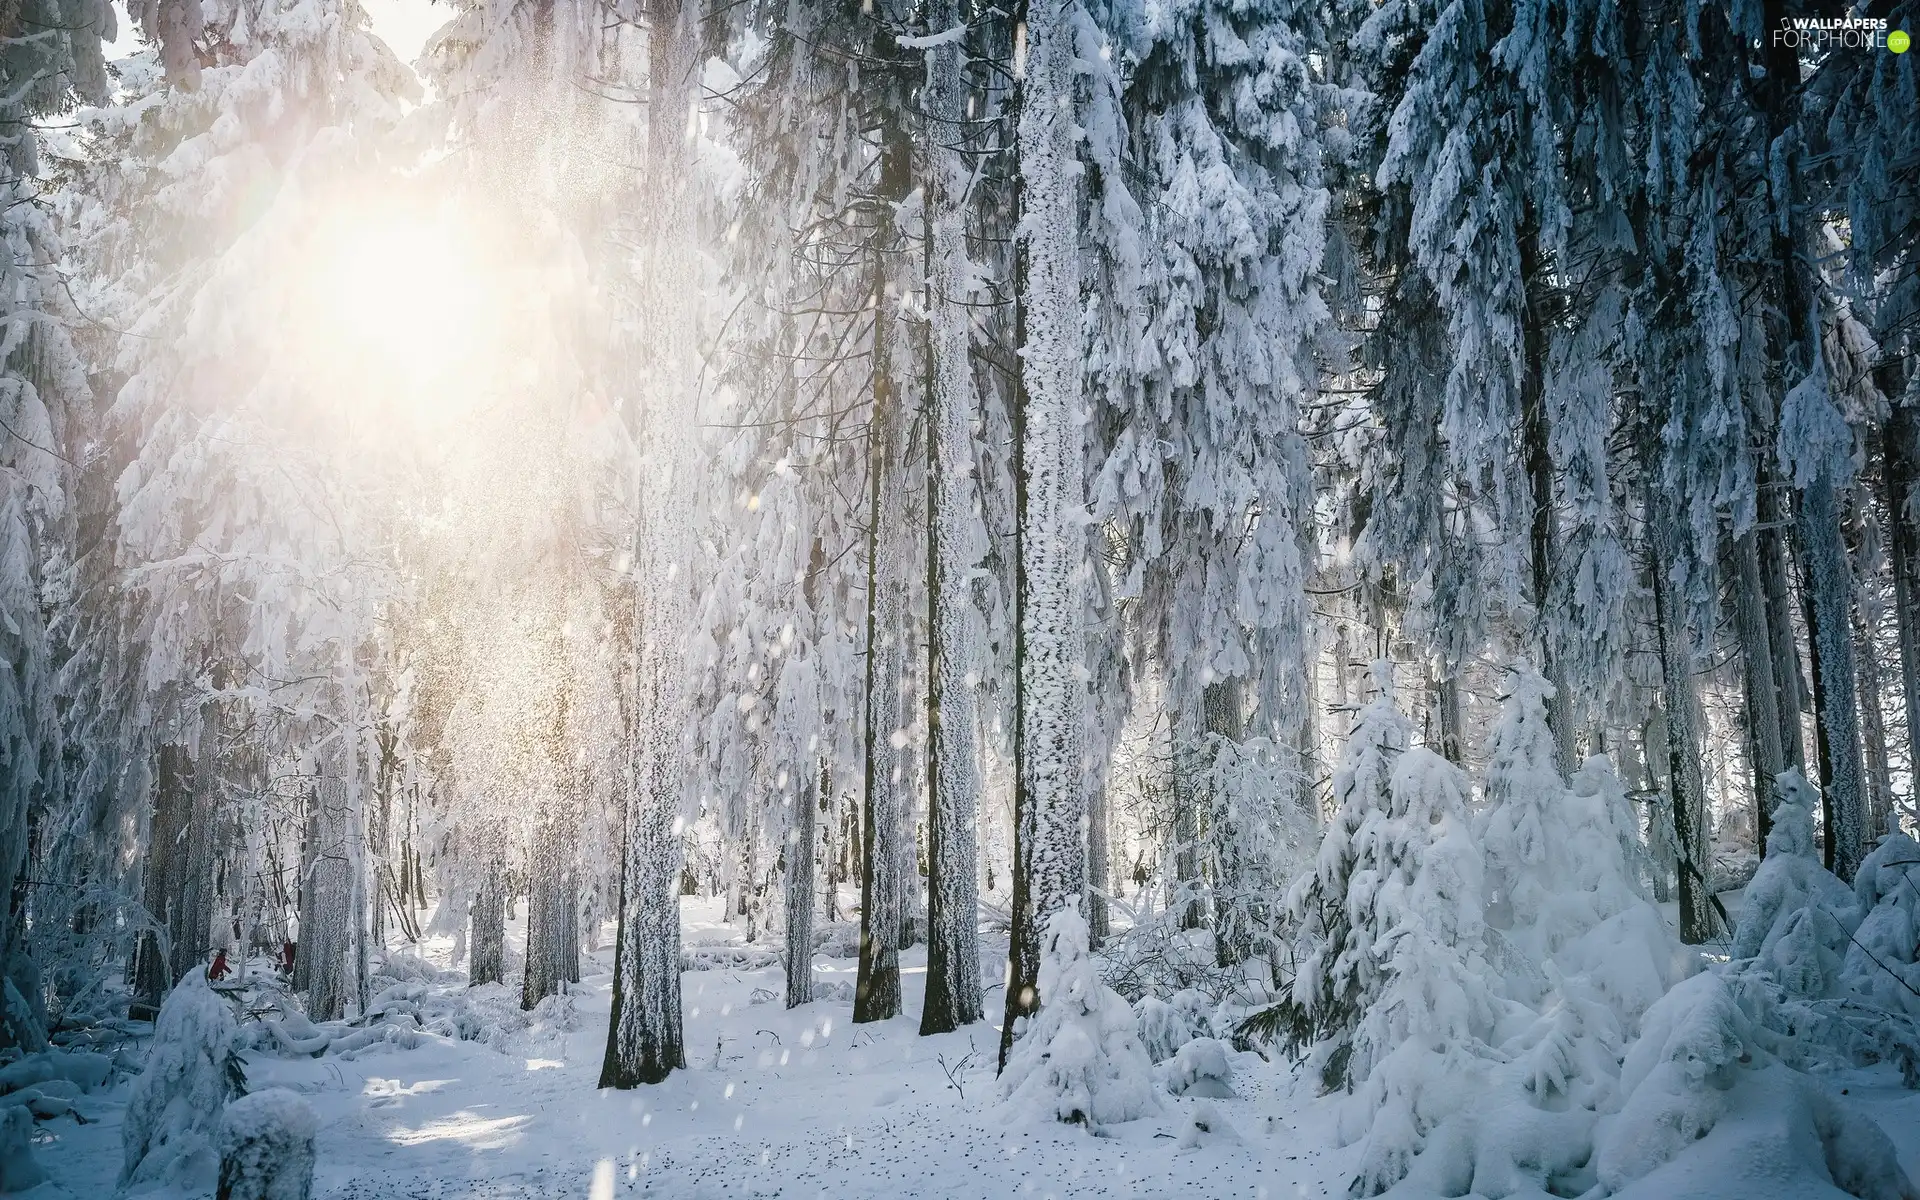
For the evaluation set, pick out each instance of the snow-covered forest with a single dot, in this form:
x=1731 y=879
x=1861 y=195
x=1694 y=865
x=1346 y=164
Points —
x=959 y=597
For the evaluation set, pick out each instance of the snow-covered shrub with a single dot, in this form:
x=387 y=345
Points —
x=1674 y=1081
x=18 y=1170
x=1338 y=972
x=1825 y=968
x=1882 y=964
x=1163 y=1028
x=191 y=1073
x=1698 y=1095
x=1417 y=903
x=1079 y=1059
x=266 y=1147
x=1881 y=969
x=1797 y=914
x=1563 y=895
x=1202 y=1067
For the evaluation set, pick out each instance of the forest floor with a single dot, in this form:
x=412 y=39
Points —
x=777 y=1102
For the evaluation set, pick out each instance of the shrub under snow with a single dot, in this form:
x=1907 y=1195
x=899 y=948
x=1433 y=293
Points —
x=1079 y=1059
x=191 y=1073
x=266 y=1147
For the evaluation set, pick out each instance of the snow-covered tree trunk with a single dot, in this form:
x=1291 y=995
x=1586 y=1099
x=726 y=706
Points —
x=1686 y=786
x=327 y=917
x=885 y=876
x=1225 y=706
x=1543 y=537
x=644 y=1031
x=193 y=930
x=1877 y=772
x=1770 y=548
x=1049 y=861
x=487 y=943
x=1901 y=472
x=553 y=949
x=1452 y=731
x=1189 y=798
x=1830 y=582
x=803 y=845
x=953 y=768
x=172 y=804
x=1762 y=691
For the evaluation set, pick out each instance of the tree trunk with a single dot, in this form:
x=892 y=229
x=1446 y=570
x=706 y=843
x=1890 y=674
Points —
x=953 y=769
x=1687 y=789
x=1536 y=434
x=1189 y=795
x=487 y=945
x=1793 y=342
x=327 y=922
x=1655 y=756
x=644 y=1032
x=1224 y=707
x=1452 y=721
x=1830 y=588
x=154 y=954
x=1877 y=774
x=882 y=889
x=1049 y=859
x=553 y=947
x=1770 y=549
x=1763 y=690
x=1901 y=443
x=193 y=931
x=802 y=845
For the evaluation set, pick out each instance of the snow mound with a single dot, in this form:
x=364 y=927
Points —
x=1206 y=1127
x=1779 y=1135
x=1079 y=1060
x=1706 y=1113
x=266 y=1147
x=1200 y=1068
x=83 y=1069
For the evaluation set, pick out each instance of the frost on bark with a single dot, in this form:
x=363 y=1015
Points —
x=553 y=949
x=1686 y=784
x=1901 y=443
x=644 y=1030
x=487 y=961
x=172 y=804
x=327 y=946
x=1830 y=583
x=192 y=924
x=1770 y=547
x=883 y=900
x=803 y=841
x=1049 y=864
x=1762 y=691
x=553 y=935
x=953 y=771
x=1816 y=449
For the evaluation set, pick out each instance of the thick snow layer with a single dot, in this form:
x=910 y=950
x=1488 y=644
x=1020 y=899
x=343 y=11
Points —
x=803 y=1104
x=266 y=1147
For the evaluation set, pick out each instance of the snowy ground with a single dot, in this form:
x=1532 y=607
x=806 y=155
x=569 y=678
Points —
x=780 y=1103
